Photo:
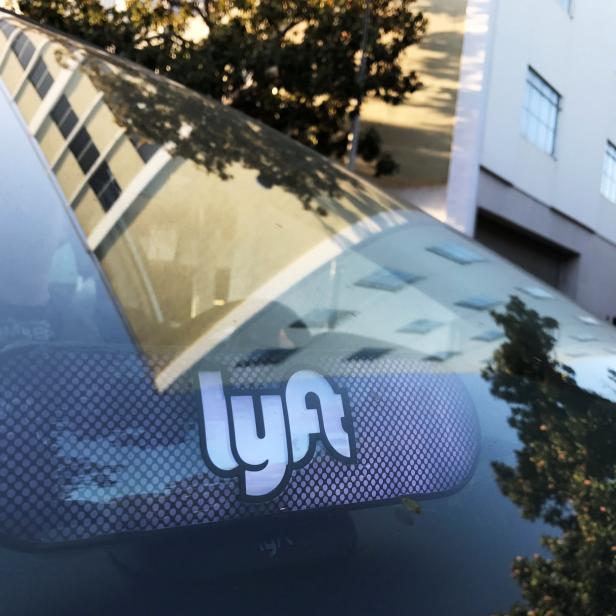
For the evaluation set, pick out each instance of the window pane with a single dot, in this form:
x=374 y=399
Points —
x=540 y=113
x=110 y=194
x=145 y=149
x=84 y=149
x=104 y=185
x=6 y=27
x=608 y=179
x=40 y=78
x=64 y=116
x=80 y=142
x=23 y=48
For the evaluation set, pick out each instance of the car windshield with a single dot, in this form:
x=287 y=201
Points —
x=235 y=377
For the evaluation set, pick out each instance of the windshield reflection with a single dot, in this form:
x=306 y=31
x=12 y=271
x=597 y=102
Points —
x=565 y=470
x=203 y=220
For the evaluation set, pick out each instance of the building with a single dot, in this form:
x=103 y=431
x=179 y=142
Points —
x=532 y=163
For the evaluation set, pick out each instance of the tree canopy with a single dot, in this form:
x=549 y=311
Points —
x=565 y=471
x=293 y=64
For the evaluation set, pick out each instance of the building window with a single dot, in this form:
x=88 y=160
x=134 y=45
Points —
x=145 y=149
x=104 y=186
x=101 y=181
x=608 y=179
x=6 y=28
x=40 y=78
x=64 y=116
x=540 y=115
x=24 y=49
x=84 y=149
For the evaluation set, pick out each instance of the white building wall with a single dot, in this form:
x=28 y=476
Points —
x=470 y=115
x=577 y=55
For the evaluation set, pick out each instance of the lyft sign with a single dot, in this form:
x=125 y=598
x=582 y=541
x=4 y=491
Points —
x=261 y=437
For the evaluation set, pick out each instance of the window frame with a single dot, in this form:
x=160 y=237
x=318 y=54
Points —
x=537 y=84
x=608 y=179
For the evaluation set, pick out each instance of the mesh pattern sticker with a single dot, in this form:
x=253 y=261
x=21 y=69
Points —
x=90 y=449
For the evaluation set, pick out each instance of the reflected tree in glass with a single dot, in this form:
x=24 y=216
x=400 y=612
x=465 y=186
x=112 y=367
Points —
x=564 y=472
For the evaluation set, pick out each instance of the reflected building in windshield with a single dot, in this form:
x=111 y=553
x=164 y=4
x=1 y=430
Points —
x=177 y=197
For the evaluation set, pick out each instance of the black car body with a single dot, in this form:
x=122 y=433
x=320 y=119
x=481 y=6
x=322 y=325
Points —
x=235 y=378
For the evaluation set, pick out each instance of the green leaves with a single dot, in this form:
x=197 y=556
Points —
x=291 y=64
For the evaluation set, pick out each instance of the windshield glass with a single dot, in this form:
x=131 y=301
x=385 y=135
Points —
x=227 y=364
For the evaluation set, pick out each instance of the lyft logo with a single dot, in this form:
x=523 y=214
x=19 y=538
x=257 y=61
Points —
x=261 y=437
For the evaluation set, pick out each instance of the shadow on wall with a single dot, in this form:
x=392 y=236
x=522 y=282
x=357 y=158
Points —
x=418 y=134
x=422 y=152
x=443 y=59
x=551 y=263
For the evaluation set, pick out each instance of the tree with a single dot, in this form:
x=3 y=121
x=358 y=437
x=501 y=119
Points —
x=292 y=64
x=565 y=471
